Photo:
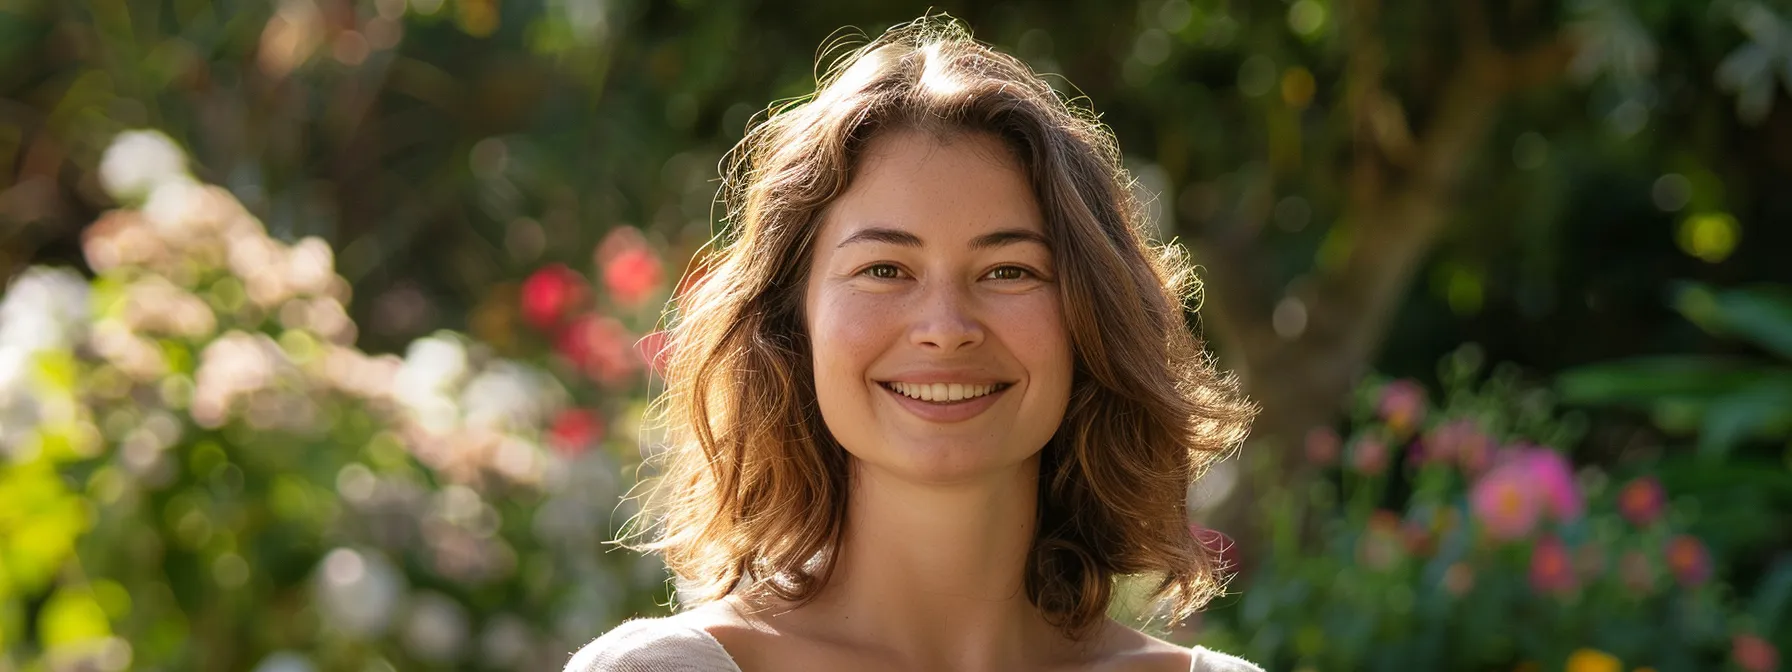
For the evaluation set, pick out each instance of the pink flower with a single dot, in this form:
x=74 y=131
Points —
x=655 y=350
x=1641 y=501
x=1553 y=475
x=1402 y=405
x=1451 y=441
x=574 y=430
x=1322 y=446
x=1369 y=456
x=1528 y=482
x=1474 y=453
x=1552 y=571
x=599 y=347
x=1753 y=653
x=1688 y=560
x=549 y=294
x=1506 y=504
x=631 y=270
x=1460 y=442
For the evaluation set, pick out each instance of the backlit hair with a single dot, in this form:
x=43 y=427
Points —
x=752 y=491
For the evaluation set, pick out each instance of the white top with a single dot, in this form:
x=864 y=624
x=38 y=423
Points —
x=667 y=645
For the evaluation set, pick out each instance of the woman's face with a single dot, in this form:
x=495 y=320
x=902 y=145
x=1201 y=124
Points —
x=933 y=314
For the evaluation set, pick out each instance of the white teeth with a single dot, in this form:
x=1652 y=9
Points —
x=942 y=391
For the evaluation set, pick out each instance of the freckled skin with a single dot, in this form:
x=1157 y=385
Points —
x=876 y=309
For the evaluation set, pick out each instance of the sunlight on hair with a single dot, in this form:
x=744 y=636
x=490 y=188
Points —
x=937 y=77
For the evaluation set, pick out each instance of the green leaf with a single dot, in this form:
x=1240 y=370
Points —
x=1652 y=380
x=1760 y=314
x=1753 y=410
x=1769 y=603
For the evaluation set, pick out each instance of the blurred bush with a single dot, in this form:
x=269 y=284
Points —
x=1460 y=533
x=202 y=472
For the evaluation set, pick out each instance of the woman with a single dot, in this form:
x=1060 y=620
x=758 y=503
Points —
x=934 y=393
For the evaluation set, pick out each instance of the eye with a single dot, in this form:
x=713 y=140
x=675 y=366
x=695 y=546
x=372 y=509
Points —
x=1010 y=273
x=882 y=271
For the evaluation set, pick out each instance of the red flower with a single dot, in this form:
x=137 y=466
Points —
x=631 y=269
x=599 y=347
x=1637 y=572
x=1641 y=501
x=1552 y=571
x=632 y=276
x=575 y=430
x=1753 y=653
x=1419 y=540
x=1217 y=543
x=1369 y=456
x=1688 y=560
x=1322 y=446
x=550 y=293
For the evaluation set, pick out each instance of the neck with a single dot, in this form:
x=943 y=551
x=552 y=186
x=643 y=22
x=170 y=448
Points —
x=933 y=575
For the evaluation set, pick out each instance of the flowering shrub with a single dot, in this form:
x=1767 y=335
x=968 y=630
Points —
x=202 y=472
x=1459 y=534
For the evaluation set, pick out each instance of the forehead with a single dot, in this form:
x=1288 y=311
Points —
x=935 y=186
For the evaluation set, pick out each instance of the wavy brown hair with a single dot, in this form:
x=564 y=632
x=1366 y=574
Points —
x=753 y=489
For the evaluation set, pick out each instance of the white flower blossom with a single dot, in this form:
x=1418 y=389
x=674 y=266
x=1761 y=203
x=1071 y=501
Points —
x=437 y=629
x=138 y=161
x=511 y=396
x=358 y=591
x=285 y=661
x=433 y=368
x=46 y=308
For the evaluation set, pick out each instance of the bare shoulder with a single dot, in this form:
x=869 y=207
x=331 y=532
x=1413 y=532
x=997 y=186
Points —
x=651 y=645
x=1134 y=650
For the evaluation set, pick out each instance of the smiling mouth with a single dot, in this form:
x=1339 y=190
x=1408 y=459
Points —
x=944 y=393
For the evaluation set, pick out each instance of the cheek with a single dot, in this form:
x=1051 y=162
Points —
x=1035 y=330
x=845 y=333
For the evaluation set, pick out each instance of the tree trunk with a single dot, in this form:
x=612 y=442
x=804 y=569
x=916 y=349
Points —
x=1400 y=195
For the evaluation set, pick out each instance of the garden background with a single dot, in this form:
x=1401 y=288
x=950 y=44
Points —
x=329 y=324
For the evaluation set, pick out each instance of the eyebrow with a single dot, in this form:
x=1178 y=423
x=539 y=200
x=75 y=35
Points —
x=999 y=238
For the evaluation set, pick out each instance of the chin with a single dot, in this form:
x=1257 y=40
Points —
x=948 y=462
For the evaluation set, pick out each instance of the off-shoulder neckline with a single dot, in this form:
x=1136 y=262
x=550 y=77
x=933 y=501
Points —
x=1196 y=653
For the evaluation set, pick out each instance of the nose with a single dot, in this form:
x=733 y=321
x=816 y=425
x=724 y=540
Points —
x=945 y=320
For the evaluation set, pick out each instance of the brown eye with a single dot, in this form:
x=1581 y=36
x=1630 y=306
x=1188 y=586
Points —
x=1009 y=273
x=883 y=272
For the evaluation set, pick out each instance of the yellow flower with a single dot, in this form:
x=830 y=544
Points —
x=1593 y=660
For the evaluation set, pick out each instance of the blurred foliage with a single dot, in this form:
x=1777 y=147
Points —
x=1724 y=400
x=203 y=473
x=533 y=174
x=446 y=147
x=1458 y=535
